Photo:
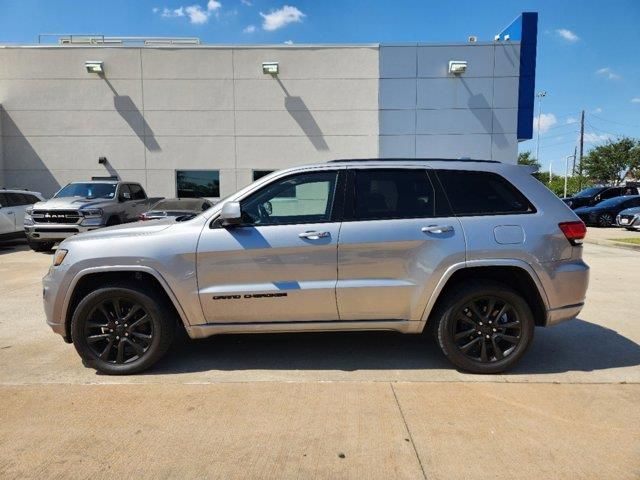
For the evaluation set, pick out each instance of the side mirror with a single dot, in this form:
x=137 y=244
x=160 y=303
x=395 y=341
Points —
x=230 y=214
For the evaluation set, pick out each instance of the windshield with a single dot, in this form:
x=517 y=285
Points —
x=192 y=204
x=88 y=190
x=589 y=192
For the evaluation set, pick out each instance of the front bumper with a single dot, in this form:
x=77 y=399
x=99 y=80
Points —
x=628 y=221
x=52 y=282
x=558 y=315
x=55 y=232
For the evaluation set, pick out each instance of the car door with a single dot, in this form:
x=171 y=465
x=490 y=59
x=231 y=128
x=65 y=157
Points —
x=280 y=264
x=20 y=204
x=396 y=239
x=139 y=204
x=7 y=215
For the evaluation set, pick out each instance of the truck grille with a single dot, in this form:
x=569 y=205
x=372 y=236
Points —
x=56 y=216
x=628 y=217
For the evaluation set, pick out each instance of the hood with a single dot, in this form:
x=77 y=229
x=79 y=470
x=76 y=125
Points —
x=66 y=203
x=126 y=230
x=631 y=211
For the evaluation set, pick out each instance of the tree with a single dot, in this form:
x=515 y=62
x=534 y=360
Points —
x=525 y=158
x=610 y=163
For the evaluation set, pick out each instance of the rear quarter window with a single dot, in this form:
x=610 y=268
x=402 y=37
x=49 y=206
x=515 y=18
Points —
x=482 y=193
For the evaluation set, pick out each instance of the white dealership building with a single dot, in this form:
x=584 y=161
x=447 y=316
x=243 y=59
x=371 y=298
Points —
x=181 y=117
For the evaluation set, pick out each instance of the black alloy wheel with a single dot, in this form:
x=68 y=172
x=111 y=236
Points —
x=119 y=330
x=483 y=326
x=487 y=329
x=605 y=220
x=123 y=329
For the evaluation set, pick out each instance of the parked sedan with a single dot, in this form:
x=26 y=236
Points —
x=593 y=195
x=177 y=207
x=629 y=218
x=604 y=213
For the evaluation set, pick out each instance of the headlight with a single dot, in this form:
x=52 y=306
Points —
x=28 y=211
x=59 y=256
x=91 y=212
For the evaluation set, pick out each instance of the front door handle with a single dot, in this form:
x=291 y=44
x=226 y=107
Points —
x=437 y=229
x=313 y=235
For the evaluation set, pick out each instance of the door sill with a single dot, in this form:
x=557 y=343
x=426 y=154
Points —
x=207 y=330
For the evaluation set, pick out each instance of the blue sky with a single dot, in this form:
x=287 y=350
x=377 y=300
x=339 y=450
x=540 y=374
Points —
x=588 y=50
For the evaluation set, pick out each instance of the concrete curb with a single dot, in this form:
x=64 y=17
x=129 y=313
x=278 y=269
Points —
x=614 y=244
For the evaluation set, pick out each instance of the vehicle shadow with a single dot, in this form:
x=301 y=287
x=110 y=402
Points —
x=573 y=346
x=10 y=246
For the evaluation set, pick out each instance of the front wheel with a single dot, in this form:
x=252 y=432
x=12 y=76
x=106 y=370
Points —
x=121 y=330
x=40 y=246
x=484 y=327
x=605 y=220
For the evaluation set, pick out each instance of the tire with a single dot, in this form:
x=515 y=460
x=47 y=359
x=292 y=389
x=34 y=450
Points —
x=113 y=221
x=111 y=335
x=605 y=220
x=464 y=328
x=40 y=246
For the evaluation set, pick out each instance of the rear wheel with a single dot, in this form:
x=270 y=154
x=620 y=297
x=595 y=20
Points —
x=122 y=330
x=40 y=246
x=484 y=327
x=605 y=220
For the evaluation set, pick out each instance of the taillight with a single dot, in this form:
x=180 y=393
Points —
x=574 y=231
x=142 y=216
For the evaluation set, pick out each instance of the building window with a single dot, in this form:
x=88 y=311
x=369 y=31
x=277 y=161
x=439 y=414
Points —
x=258 y=174
x=198 y=183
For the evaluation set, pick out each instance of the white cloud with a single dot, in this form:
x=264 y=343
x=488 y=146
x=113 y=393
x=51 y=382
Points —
x=168 y=13
x=196 y=13
x=246 y=3
x=288 y=42
x=571 y=120
x=635 y=100
x=276 y=19
x=155 y=9
x=597 y=110
x=568 y=35
x=547 y=120
x=249 y=29
x=597 y=137
x=608 y=73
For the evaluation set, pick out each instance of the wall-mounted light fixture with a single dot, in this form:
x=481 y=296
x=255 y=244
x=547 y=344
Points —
x=94 y=66
x=457 y=67
x=270 y=68
x=102 y=160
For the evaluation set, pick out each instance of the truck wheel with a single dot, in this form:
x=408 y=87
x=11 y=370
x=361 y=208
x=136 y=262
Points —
x=484 y=327
x=40 y=246
x=122 y=329
x=113 y=221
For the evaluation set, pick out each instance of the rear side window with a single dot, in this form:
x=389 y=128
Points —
x=482 y=193
x=393 y=194
x=136 y=192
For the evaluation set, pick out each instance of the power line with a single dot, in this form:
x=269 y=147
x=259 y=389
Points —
x=613 y=121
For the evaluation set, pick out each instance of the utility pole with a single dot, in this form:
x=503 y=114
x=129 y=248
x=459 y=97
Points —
x=541 y=94
x=575 y=155
x=581 y=150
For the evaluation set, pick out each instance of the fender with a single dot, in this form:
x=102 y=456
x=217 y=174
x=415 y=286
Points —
x=496 y=262
x=125 y=268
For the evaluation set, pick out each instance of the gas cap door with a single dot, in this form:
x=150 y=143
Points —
x=508 y=234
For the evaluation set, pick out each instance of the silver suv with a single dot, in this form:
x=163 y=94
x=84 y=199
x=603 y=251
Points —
x=477 y=252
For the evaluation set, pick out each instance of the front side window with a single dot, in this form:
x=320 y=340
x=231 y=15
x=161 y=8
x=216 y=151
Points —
x=137 y=193
x=303 y=198
x=482 y=193
x=198 y=183
x=392 y=194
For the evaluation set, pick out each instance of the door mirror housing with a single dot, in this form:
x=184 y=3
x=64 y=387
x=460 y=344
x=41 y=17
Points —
x=231 y=214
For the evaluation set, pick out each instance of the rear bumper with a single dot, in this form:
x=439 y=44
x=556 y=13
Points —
x=37 y=233
x=558 y=315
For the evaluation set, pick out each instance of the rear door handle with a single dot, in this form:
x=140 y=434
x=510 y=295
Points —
x=313 y=235
x=437 y=229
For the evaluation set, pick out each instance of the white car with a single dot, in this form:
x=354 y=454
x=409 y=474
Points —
x=13 y=204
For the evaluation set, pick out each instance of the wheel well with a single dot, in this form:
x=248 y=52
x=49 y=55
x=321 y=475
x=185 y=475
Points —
x=515 y=277
x=93 y=281
x=113 y=220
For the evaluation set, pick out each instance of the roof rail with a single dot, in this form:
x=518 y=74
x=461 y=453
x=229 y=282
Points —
x=347 y=160
x=15 y=188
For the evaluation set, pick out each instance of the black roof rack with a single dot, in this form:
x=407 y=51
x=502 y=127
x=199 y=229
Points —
x=110 y=177
x=347 y=160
